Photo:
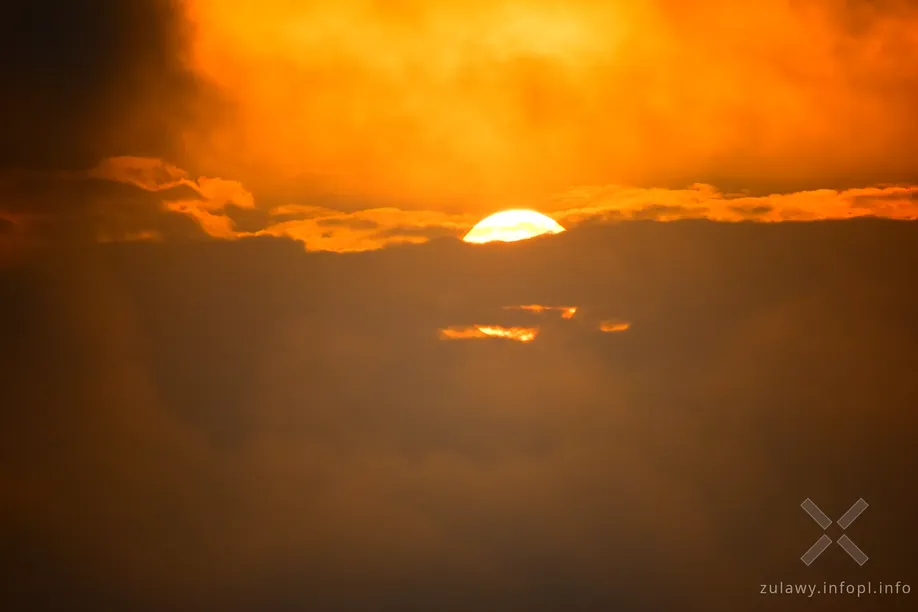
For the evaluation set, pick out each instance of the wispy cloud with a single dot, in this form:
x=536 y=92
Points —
x=325 y=229
x=567 y=312
x=530 y=333
x=616 y=203
x=210 y=196
x=613 y=326
x=518 y=334
x=208 y=200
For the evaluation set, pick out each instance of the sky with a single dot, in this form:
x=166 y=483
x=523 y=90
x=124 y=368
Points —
x=247 y=363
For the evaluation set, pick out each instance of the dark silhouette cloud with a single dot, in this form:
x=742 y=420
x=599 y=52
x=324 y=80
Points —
x=353 y=223
x=428 y=232
x=63 y=210
x=243 y=425
x=84 y=80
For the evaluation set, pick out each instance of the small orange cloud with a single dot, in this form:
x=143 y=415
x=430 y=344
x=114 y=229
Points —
x=567 y=312
x=614 y=326
x=518 y=334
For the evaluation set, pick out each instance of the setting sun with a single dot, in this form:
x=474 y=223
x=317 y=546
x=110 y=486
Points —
x=512 y=225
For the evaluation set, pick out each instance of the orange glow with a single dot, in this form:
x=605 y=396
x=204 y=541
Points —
x=614 y=326
x=511 y=226
x=472 y=102
x=518 y=334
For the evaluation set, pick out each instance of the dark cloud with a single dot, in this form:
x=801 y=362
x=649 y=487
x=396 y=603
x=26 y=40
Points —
x=359 y=224
x=247 y=426
x=72 y=210
x=83 y=80
x=246 y=219
x=429 y=232
x=662 y=211
x=869 y=201
x=752 y=211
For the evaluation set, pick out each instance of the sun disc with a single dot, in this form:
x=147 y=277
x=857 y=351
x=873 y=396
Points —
x=512 y=225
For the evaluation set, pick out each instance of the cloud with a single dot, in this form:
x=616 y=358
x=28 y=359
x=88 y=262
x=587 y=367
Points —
x=334 y=230
x=150 y=174
x=614 y=326
x=707 y=202
x=89 y=80
x=492 y=105
x=429 y=232
x=122 y=199
x=356 y=224
x=519 y=334
x=567 y=312
x=126 y=198
x=62 y=209
x=245 y=425
x=326 y=229
x=211 y=198
x=526 y=334
x=329 y=229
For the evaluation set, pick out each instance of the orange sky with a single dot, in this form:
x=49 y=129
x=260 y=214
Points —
x=352 y=125
x=475 y=106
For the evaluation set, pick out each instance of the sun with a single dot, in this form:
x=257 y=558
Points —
x=512 y=225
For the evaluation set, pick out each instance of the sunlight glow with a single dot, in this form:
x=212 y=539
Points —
x=511 y=226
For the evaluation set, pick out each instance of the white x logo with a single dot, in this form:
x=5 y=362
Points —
x=844 y=522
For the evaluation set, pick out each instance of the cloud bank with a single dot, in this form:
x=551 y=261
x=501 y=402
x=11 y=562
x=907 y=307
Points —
x=243 y=425
x=130 y=198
